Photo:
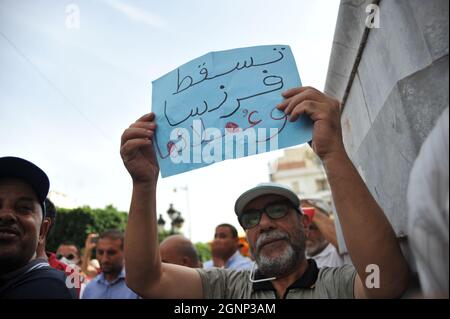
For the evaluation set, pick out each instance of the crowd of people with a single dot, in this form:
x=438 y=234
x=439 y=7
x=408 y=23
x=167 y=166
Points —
x=294 y=251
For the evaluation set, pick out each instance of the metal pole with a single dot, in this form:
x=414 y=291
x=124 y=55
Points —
x=188 y=209
x=188 y=212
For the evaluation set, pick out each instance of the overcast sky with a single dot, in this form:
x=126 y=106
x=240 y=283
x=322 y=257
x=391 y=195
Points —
x=67 y=93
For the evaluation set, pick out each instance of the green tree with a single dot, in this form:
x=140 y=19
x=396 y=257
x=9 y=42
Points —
x=73 y=225
x=204 y=251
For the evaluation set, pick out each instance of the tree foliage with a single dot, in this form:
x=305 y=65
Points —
x=204 y=251
x=73 y=225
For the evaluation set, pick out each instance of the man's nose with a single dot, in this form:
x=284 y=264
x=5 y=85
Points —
x=266 y=222
x=7 y=216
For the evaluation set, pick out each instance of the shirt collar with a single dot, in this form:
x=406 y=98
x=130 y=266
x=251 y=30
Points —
x=307 y=280
x=233 y=258
x=33 y=264
x=101 y=277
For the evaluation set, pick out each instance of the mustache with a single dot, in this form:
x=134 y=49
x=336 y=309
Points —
x=8 y=227
x=270 y=236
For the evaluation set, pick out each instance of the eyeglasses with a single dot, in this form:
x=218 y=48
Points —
x=69 y=256
x=250 y=218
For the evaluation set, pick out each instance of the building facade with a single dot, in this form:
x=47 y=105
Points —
x=300 y=169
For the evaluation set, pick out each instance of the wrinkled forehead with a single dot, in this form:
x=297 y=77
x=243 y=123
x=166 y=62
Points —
x=16 y=188
x=264 y=200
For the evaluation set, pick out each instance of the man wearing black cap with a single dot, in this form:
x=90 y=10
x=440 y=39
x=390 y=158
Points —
x=23 y=190
x=274 y=224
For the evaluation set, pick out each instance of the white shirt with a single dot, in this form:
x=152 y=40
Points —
x=329 y=257
x=428 y=211
x=237 y=261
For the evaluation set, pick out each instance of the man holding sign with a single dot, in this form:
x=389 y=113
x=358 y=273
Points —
x=275 y=229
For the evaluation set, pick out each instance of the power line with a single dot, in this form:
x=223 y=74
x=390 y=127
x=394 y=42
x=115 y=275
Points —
x=53 y=86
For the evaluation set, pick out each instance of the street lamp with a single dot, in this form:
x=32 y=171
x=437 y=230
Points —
x=171 y=212
x=161 y=224
x=177 y=223
x=175 y=217
x=188 y=210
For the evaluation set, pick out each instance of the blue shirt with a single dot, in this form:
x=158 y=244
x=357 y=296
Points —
x=100 y=288
x=237 y=261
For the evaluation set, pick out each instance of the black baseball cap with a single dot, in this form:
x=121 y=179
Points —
x=15 y=167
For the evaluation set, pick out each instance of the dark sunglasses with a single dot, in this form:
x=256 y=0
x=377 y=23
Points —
x=250 y=218
x=69 y=256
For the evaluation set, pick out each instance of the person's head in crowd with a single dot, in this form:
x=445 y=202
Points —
x=315 y=242
x=50 y=216
x=23 y=189
x=68 y=253
x=226 y=241
x=110 y=253
x=275 y=227
x=177 y=249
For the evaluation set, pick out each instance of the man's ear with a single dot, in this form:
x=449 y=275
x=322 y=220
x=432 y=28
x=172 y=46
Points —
x=45 y=227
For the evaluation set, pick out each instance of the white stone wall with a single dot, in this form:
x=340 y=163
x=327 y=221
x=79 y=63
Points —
x=398 y=91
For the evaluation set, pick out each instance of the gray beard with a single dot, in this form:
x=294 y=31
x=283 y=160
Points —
x=286 y=262
x=317 y=248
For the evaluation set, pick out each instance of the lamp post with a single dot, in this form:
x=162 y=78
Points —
x=177 y=223
x=188 y=210
x=161 y=223
x=176 y=219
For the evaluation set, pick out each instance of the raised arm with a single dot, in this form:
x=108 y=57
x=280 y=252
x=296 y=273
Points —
x=368 y=234
x=87 y=255
x=146 y=275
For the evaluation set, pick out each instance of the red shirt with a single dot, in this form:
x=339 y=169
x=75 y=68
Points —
x=55 y=263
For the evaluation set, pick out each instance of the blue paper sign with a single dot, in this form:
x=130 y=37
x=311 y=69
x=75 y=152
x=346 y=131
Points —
x=222 y=105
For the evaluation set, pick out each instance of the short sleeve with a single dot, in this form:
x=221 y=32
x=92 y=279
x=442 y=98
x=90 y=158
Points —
x=338 y=282
x=220 y=283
